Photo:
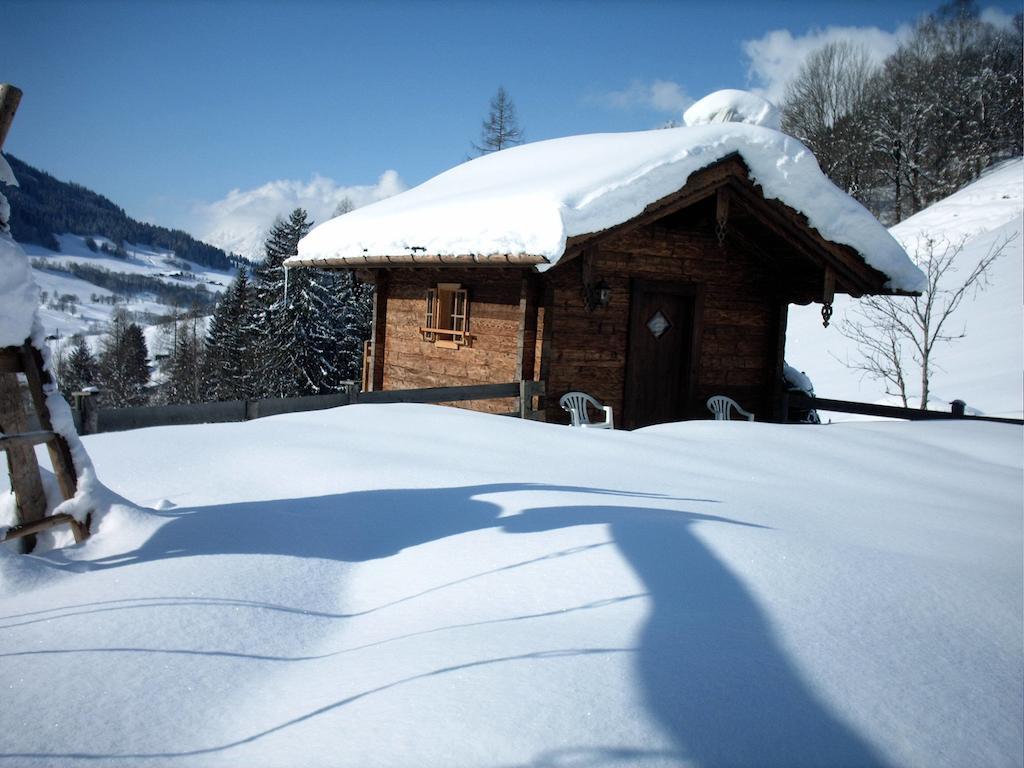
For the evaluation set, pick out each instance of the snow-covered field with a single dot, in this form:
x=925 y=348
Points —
x=986 y=368
x=421 y=586
x=91 y=317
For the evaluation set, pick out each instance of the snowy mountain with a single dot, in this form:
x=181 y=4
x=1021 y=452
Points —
x=986 y=368
x=42 y=207
x=83 y=277
x=83 y=287
x=422 y=586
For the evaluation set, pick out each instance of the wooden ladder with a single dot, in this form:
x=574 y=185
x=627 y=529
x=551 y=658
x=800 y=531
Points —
x=18 y=441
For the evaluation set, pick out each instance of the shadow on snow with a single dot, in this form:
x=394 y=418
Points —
x=713 y=674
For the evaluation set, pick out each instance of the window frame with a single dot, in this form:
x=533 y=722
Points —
x=446 y=320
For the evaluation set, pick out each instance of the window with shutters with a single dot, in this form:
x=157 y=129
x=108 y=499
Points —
x=447 y=317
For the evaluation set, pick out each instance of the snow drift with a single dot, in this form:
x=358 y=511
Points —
x=421 y=586
x=986 y=368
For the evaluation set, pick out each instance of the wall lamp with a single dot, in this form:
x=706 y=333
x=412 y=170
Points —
x=597 y=295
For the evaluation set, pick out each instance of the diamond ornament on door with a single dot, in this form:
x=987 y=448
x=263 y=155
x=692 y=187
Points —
x=658 y=324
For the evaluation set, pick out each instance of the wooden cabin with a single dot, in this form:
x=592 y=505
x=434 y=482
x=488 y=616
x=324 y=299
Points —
x=686 y=299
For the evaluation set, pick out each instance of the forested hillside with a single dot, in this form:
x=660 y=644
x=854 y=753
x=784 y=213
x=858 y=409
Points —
x=43 y=207
x=930 y=119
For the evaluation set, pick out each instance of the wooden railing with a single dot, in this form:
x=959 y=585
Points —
x=799 y=401
x=91 y=417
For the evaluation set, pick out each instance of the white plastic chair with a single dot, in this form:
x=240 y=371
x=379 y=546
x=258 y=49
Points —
x=720 y=405
x=576 y=404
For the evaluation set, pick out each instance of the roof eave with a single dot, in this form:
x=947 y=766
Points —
x=418 y=260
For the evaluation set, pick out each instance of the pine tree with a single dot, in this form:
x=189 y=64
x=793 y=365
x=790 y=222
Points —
x=309 y=341
x=229 y=360
x=184 y=379
x=123 y=363
x=273 y=362
x=356 y=313
x=501 y=128
x=80 y=369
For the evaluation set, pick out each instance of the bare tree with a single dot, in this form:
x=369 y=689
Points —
x=897 y=336
x=345 y=205
x=501 y=128
x=824 y=108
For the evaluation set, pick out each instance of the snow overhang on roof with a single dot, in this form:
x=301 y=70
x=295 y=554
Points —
x=521 y=205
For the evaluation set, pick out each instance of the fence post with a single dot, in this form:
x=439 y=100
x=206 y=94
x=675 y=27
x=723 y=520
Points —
x=88 y=404
x=959 y=408
x=525 y=399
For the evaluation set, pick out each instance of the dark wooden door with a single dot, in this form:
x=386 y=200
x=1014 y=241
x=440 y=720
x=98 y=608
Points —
x=659 y=360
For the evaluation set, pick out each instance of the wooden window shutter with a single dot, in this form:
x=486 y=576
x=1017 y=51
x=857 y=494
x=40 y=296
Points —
x=431 y=311
x=460 y=305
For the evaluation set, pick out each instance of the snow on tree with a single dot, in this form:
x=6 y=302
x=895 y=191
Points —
x=356 y=306
x=79 y=369
x=185 y=367
x=945 y=106
x=123 y=364
x=824 y=107
x=231 y=343
x=299 y=328
x=501 y=128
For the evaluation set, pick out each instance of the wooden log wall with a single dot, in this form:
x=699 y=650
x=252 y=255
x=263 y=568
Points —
x=497 y=298
x=739 y=345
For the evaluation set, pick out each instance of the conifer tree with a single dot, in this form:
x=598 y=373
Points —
x=184 y=378
x=298 y=350
x=356 y=314
x=501 y=128
x=229 y=360
x=123 y=363
x=80 y=369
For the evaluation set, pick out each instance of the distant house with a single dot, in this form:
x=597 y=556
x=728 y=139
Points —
x=650 y=269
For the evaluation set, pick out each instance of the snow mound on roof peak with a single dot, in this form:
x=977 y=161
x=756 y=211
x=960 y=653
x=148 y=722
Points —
x=733 y=106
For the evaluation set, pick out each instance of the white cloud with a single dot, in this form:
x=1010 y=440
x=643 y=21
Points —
x=240 y=221
x=659 y=95
x=775 y=58
x=997 y=17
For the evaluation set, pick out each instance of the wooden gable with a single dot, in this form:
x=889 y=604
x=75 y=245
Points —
x=739 y=203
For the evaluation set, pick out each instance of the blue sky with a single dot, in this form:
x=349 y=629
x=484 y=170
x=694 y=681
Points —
x=165 y=107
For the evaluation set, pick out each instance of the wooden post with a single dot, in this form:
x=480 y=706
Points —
x=88 y=404
x=380 y=317
x=546 y=314
x=21 y=459
x=779 y=393
x=526 y=341
x=10 y=98
x=60 y=454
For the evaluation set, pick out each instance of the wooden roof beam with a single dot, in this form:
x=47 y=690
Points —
x=421 y=260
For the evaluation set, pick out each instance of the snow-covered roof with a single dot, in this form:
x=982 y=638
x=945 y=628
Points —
x=524 y=203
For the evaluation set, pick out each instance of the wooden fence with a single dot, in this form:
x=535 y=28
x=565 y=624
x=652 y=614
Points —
x=798 y=401
x=91 y=417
